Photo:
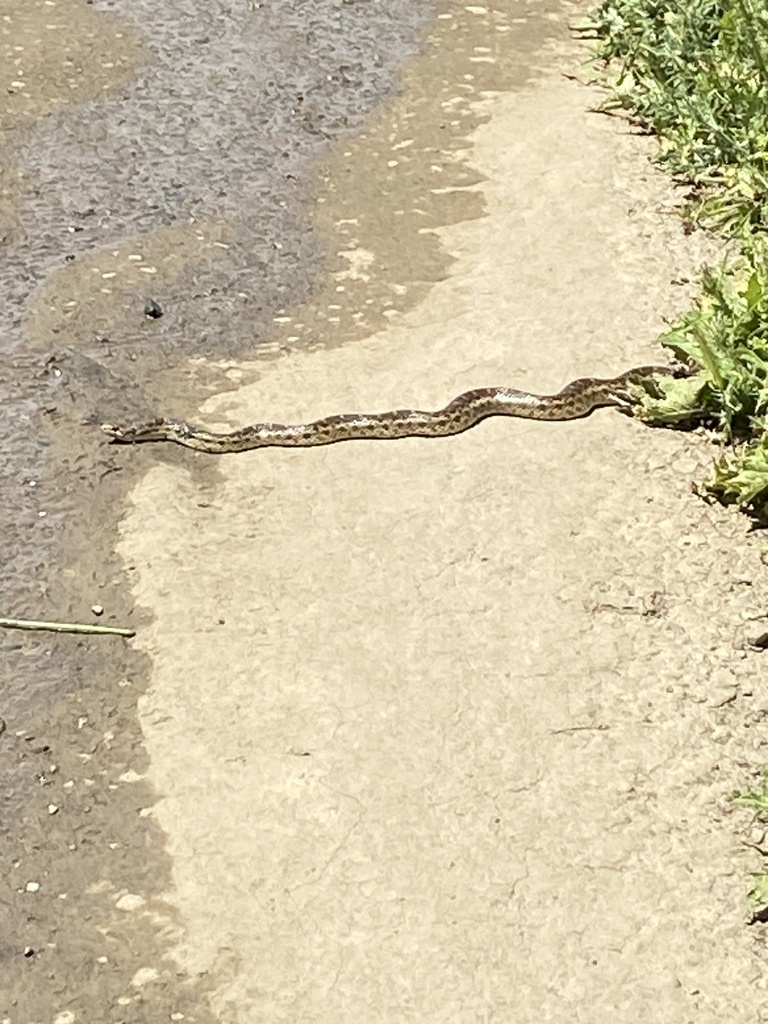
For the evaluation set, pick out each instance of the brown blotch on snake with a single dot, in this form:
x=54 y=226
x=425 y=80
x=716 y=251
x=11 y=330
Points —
x=577 y=399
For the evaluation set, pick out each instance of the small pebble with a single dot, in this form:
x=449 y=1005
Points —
x=144 y=975
x=53 y=809
x=131 y=901
x=97 y=609
x=32 y=886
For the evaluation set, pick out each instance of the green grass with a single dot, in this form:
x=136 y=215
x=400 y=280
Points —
x=696 y=74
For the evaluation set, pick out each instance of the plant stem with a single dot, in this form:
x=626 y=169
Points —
x=65 y=627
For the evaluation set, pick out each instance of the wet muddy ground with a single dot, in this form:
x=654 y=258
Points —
x=156 y=156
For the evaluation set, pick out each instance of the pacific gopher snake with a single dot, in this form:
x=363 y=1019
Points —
x=577 y=399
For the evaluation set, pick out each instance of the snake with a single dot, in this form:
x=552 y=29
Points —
x=576 y=400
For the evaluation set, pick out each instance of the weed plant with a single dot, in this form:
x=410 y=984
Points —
x=696 y=74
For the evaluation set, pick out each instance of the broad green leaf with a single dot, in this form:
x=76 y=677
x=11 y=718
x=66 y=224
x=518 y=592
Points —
x=754 y=291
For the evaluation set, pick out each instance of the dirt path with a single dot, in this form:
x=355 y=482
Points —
x=443 y=731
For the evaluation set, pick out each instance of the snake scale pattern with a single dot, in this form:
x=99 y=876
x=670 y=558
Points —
x=576 y=400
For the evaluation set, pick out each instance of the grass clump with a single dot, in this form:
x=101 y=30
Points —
x=696 y=74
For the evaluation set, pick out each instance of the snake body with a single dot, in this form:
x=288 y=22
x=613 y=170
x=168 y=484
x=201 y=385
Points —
x=577 y=399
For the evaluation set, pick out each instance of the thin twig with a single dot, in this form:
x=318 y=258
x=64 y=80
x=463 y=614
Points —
x=65 y=627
